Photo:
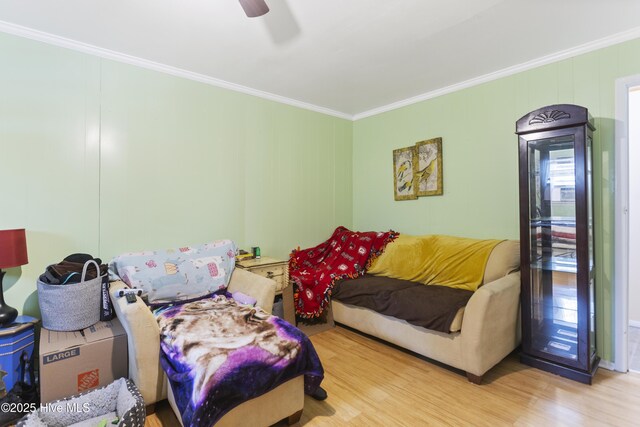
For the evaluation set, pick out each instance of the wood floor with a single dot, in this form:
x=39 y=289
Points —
x=372 y=384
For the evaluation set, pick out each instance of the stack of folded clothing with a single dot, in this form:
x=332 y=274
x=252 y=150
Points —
x=69 y=270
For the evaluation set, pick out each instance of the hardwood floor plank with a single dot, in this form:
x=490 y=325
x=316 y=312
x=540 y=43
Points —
x=373 y=384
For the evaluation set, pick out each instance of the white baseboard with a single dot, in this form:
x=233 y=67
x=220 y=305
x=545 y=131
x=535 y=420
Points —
x=605 y=364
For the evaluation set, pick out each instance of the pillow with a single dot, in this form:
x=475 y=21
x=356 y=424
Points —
x=177 y=274
x=244 y=299
x=404 y=258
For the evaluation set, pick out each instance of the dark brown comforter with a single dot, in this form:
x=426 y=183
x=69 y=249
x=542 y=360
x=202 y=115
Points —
x=431 y=307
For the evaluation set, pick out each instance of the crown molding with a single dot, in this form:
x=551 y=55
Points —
x=29 y=33
x=52 y=39
x=548 y=59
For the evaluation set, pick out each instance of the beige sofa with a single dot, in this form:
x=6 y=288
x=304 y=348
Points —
x=489 y=324
x=284 y=402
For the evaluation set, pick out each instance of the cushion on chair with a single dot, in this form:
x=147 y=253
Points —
x=177 y=274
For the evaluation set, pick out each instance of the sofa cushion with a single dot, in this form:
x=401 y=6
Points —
x=432 y=307
x=456 y=323
x=404 y=258
x=455 y=262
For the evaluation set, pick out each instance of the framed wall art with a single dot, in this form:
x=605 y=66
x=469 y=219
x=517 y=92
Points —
x=404 y=169
x=428 y=173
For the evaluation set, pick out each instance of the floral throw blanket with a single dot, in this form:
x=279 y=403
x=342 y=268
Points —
x=347 y=254
x=218 y=354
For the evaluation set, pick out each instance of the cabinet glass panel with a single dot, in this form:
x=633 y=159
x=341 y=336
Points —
x=552 y=225
x=592 y=325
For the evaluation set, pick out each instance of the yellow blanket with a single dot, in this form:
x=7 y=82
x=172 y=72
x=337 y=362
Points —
x=456 y=262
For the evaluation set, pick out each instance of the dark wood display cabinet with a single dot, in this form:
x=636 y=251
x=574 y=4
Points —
x=556 y=235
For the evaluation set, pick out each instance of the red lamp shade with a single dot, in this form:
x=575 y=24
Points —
x=13 y=248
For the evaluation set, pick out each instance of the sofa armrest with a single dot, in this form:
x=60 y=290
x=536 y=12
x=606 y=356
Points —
x=143 y=339
x=261 y=288
x=490 y=324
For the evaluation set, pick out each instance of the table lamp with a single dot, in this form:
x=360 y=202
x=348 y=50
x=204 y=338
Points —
x=13 y=253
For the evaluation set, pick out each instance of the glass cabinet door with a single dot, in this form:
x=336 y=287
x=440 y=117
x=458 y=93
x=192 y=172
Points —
x=592 y=305
x=553 y=272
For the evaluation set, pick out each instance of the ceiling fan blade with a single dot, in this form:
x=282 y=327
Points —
x=254 y=8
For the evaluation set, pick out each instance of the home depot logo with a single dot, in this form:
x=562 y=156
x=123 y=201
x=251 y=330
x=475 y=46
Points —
x=88 y=380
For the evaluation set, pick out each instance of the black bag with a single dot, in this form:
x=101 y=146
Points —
x=106 y=307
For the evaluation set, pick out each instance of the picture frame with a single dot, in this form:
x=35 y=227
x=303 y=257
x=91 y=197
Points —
x=404 y=169
x=428 y=171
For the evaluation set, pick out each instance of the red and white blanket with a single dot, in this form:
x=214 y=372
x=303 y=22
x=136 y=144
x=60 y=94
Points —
x=347 y=254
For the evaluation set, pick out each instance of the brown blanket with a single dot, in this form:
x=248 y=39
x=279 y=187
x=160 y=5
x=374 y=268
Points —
x=432 y=307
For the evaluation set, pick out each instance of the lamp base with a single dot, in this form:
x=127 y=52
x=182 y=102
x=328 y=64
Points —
x=7 y=313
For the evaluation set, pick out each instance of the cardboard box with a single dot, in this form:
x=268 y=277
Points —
x=79 y=361
x=317 y=327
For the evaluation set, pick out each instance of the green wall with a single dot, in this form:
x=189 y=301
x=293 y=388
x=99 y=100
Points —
x=480 y=157
x=102 y=157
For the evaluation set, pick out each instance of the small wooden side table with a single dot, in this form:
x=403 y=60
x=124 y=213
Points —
x=278 y=271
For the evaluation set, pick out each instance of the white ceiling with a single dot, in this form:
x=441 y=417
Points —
x=353 y=57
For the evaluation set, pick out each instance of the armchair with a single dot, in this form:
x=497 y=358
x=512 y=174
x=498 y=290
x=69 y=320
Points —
x=285 y=401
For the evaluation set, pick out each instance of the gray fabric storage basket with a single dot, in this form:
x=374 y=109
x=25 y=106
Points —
x=120 y=399
x=71 y=307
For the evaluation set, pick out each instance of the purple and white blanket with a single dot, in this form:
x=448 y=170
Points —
x=218 y=354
